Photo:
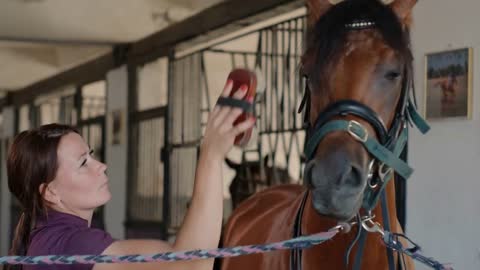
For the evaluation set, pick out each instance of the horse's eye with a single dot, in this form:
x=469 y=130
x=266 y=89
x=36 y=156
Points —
x=392 y=75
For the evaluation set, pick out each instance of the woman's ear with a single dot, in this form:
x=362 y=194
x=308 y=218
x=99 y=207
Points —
x=49 y=194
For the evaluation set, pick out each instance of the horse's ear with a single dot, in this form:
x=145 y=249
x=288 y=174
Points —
x=403 y=9
x=316 y=8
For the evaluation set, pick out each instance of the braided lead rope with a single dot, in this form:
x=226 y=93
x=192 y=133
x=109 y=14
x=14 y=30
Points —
x=392 y=240
x=295 y=243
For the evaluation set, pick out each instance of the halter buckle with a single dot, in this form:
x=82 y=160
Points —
x=354 y=127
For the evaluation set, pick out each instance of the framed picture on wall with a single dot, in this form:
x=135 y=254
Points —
x=448 y=80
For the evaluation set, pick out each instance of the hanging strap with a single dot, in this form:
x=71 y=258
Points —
x=386 y=225
x=296 y=254
x=417 y=119
x=371 y=197
x=361 y=247
x=363 y=236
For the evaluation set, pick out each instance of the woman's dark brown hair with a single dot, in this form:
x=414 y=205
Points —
x=32 y=161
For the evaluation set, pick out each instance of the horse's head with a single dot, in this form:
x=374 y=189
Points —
x=358 y=69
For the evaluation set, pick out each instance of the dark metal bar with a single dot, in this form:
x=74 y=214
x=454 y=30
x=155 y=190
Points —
x=276 y=131
x=78 y=103
x=149 y=114
x=185 y=144
x=91 y=121
x=75 y=42
x=284 y=75
x=133 y=142
x=150 y=159
x=205 y=80
x=184 y=74
x=166 y=151
x=232 y=60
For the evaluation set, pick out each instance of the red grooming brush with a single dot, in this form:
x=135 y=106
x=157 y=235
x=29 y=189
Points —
x=248 y=78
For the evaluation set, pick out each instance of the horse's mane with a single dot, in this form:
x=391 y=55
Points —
x=327 y=38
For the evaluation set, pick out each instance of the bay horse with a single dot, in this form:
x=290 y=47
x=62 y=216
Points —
x=358 y=100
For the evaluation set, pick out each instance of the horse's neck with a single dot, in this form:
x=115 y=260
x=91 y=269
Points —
x=313 y=223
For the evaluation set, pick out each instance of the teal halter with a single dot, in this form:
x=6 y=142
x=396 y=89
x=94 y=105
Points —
x=386 y=153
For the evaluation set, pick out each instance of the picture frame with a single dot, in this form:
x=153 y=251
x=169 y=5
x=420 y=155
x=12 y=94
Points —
x=448 y=84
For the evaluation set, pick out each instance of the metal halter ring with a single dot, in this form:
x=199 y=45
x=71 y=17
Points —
x=370 y=175
x=354 y=124
x=382 y=172
x=373 y=227
x=342 y=227
x=346 y=227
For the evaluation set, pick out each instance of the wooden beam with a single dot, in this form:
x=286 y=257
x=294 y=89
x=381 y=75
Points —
x=217 y=16
x=87 y=72
x=152 y=47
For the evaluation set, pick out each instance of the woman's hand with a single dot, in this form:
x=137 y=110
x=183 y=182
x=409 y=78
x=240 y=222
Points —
x=220 y=132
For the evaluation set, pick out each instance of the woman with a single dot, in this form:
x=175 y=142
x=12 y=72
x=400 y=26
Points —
x=59 y=184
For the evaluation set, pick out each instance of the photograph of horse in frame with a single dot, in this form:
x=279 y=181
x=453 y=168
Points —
x=448 y=80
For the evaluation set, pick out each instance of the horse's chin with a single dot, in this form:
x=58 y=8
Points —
x=341 y=210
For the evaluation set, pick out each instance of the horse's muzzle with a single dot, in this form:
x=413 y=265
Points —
x=337 y=182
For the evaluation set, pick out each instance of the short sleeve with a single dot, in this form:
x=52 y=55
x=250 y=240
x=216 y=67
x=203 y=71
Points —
x=88 y=241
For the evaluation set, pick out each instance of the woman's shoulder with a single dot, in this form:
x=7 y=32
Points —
x=64 y=238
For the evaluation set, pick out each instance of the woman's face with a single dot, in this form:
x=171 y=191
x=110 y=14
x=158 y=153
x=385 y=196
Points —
x=81 y=183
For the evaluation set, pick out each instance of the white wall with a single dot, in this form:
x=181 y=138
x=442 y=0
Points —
x=443 y=201
x=116 y=155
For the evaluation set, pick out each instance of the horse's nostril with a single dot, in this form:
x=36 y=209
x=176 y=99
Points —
x=353 y=176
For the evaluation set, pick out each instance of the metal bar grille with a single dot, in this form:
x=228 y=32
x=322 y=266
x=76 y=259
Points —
x=184 y=134
x=146 y=182
x=274 y=52
x=146 y=200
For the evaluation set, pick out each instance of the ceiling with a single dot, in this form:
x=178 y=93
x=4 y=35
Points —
x=39 y=38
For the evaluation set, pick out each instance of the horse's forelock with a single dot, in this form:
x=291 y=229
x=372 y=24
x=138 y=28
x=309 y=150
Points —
x=326 y=40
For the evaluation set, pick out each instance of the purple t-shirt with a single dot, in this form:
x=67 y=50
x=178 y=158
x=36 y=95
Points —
x=65 y=234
